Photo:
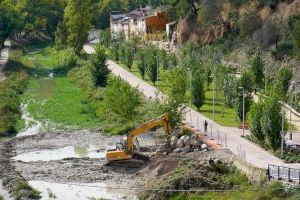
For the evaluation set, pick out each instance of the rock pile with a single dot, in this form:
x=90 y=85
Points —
x=186 y=144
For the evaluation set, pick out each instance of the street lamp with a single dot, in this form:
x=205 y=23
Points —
x=214 y=95
x=282 y=130
x=242 y=88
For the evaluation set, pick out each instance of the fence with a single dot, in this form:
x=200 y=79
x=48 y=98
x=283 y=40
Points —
x=284 y=173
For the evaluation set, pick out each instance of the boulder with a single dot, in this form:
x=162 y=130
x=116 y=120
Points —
x=203 y=146
x=196 y=143
x=187 y=141
x=186 y=149
x=178 y=150
x=180 y=144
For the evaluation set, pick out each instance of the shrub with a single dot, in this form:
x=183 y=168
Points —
x=267 y=35
x=10 y=112
x=68 y=60
x=249 y=23
x=121 y=99
x=283 y=49
x=296 y=36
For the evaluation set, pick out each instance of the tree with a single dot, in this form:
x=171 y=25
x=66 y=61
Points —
x=246 y=81
x=116 y=51
x=105 y=37
x=257 y=68
x=271 y=121
x=256 y=114
x=60 y=35
x=129 y=56
x=228 y=90
x=141 y=63
x=99 y=68
x=296 y=36
x=10 y=21
x=152 y=64
x=121 y=99
x=282 y=82
x=177 y=83
x=77 y=18
x=197 y=89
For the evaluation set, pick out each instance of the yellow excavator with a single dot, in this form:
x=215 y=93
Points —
x=126 y=152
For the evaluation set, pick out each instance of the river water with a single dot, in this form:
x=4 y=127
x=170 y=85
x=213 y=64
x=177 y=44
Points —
x=32 y=126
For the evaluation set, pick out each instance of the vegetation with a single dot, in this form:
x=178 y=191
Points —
x=10 y=113
x=99 y=69
x=197 y=90
x=77 y=22
x=190 y=175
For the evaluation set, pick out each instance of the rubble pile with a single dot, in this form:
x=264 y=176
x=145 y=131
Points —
x=185 y=144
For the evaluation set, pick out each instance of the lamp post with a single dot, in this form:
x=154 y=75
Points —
x=242 y=88
x=282 y=130
x=214 y=96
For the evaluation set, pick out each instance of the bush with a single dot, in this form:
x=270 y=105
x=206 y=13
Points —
x=121 y=100
x=283 y=49
x=10 y=112
x=249 y=23
x=68 y=60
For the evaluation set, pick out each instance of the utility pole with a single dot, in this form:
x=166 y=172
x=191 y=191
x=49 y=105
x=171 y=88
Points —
x=282 y=129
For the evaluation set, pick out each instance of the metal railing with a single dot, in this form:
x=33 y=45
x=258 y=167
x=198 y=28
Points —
x=284 y=173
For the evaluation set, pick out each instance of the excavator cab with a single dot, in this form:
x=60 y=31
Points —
x=126 y=152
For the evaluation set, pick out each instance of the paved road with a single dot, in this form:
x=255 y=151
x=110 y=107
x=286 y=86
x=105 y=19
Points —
x=241 y=147
x=4 y=58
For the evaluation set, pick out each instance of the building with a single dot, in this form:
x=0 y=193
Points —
x=139 y=22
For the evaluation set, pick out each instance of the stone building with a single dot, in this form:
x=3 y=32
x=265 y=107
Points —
x=139 y=22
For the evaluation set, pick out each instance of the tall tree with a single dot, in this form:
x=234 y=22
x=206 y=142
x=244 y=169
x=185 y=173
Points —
x=99 y=67
x=257 y=68
x=141 y=63
x=77 y=18
x=282 y=82
x=246 y=82
x=152 y=64
x=256 y=114
x=197 y=89
x=271 y=123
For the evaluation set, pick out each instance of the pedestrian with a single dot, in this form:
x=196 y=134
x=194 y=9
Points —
x=205 y=126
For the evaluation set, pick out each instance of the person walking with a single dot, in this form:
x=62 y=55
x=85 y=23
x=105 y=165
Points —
x=205 y=126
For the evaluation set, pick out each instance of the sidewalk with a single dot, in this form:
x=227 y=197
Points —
x=241 y=147
x=4 y=54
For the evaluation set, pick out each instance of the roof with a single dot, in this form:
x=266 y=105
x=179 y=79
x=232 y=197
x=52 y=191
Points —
x=140 y=12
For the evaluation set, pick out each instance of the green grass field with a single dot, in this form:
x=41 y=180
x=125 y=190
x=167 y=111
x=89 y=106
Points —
x=56 y=100
x=59 y=101
x=223 y=115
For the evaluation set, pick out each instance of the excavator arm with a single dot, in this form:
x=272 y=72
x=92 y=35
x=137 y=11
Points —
x=162 y=120
x=123 y=156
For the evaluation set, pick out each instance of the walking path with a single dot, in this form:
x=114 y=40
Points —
x=243 y=148
x=4 y=58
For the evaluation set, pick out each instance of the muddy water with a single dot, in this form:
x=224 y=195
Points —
x=3 y=192
x=81 y=191
x=32 y=126
x=75 y=151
